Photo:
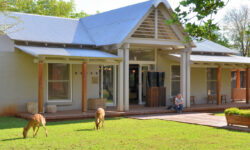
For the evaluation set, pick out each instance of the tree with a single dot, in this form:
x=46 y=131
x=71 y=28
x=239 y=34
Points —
x=198 y=18
x=58 y=8
x=237 y=22
x=6 y=26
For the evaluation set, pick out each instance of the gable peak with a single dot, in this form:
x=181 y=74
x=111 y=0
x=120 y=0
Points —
x=156 y=3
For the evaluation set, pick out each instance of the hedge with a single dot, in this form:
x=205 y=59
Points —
x=237 y=111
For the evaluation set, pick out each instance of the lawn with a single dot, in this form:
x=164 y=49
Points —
x=219 y=114
x=120 y=133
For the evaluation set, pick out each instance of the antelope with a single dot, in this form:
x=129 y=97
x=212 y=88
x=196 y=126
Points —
x=34 y=122
x=99 y=117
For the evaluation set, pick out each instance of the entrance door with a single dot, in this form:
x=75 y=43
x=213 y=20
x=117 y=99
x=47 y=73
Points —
x=133 y=84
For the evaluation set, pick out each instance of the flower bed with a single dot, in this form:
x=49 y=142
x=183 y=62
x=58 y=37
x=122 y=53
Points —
x=235 y=116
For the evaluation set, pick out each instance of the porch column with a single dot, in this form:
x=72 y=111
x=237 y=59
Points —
x=114 y=85
x=101 y=81
x=188 y=78
x=219 y=85
x=84 y=87
x=183 y=76
x=40 y=86
x=126 y=77
x=247 y=85
x=140 y=84
x=238 y=78
x=120 y=82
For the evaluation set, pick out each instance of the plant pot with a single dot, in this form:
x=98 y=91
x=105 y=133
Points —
x=94 y=103
x=238 y=120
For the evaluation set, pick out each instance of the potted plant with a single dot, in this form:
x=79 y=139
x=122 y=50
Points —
x=236 y=116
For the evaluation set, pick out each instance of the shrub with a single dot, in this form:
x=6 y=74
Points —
x=236 y=111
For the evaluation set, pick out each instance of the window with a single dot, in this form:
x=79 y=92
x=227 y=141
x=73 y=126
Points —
x=233 y=79
x=175 y=80
x=212 y=80
x=142 y=55
x=242 y=79
x=59 y=87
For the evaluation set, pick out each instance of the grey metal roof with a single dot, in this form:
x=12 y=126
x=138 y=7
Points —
x=113 y=26
x=217 y=59
x=47 y=29
x=211 y=47
x=66 y=52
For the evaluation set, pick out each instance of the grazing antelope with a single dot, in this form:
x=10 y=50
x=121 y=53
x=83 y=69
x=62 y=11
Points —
x=34 y=122
x=99 y=117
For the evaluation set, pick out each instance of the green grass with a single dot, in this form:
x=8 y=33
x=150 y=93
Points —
x=219 y=114
x=121 y=133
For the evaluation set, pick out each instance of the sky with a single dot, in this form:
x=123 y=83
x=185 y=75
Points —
x=92 y=6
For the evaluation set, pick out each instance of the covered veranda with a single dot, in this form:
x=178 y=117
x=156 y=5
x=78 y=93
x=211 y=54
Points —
x=79 y=57
x=223 y=65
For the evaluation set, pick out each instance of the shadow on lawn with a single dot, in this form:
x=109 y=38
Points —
x=12 y=139
x=13 y=122
x=86 y=129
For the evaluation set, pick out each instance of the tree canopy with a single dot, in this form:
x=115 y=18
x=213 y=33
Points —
x=198 y=18
x=58 y=8
x=237 y=27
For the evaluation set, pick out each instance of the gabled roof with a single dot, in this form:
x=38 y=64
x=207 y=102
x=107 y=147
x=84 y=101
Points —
x=47 y=29
x=111 y=27
x=211 y=47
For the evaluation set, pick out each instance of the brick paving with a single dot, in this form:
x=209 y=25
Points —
x=206 y=119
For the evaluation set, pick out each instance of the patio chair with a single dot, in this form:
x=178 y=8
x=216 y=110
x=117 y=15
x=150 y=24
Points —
x=224 y=98
x=192 y=99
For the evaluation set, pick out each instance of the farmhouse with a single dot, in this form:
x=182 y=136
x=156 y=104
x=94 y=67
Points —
x=121 y=55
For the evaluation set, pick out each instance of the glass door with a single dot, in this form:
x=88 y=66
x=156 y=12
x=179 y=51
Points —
x=108 y=82
x=144 y=70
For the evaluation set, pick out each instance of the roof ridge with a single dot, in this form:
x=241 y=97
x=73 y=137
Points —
x=116 y=9
x=85 y=28
x=30 y=14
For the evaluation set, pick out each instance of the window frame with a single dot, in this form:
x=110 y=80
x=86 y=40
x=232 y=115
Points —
x=70 y=100
x=174 y=80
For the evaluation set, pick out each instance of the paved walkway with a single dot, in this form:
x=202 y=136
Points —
x=207 y=119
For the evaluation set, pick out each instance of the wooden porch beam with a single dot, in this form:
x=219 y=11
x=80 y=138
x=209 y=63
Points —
x=84 y=87
x=238 y=78
x=219 y=85
x=247 y=85
x=40 y=86
x=154 y=42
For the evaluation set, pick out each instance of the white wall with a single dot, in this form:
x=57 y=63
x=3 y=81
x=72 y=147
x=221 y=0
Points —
x=199 y=84
x=164 y=64
x=18 y=76
x=6 y=44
